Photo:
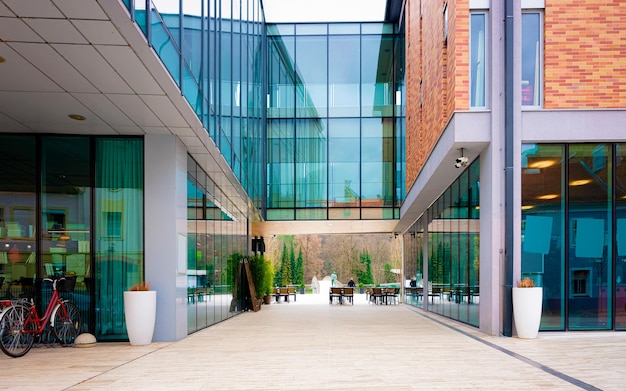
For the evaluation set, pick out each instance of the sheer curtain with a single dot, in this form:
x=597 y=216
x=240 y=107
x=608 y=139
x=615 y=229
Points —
x=119 y=229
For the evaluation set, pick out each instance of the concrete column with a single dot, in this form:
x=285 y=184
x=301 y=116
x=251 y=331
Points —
x=165 y=219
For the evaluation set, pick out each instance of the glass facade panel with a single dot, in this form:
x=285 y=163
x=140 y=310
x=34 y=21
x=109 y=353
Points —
x=282 y=83
x=18 y=202
x=344 y=92
x=532 y=85
x=344 y=171
x=377 y=160
x=478 y=44
x=66 y=190
x=377 y=76
x=312 y=80
x=118 y=218
x=452 y=289
x=311 y=163
x=216 y=243
x=543 y=212
x=316 y=71
x=590 y=226
x=620 y=237
x=571 y=225
x=212 y=51
x=281 y=163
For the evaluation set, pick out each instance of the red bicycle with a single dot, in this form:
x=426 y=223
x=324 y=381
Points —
x=20 y=323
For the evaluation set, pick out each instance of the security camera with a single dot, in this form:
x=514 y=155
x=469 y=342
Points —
x=461 y=162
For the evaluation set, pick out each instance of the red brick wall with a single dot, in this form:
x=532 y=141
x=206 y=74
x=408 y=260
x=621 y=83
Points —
x=585 y=54
x=443 y=69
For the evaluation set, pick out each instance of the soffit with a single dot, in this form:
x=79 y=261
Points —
x=86 y=57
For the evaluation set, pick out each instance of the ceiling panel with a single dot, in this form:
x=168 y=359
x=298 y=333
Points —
x=99 y=32
x=131 y=69
x=56 y=30
x=13 y=29
x=101 y=106
x=34 y=9
x=81 y=9
x=19 y=75
x=36 y=108
x=9 y=125
x=54 y=66
x=90 y=64
x=4 y=11
x=167 y=113
x=136 y=109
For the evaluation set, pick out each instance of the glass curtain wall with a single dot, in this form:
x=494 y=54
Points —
x=18 y=215
x=451 y=245
x=214 y=53
x=216 y=242
x=73 y=206
x=572 y=211
x=331 y=113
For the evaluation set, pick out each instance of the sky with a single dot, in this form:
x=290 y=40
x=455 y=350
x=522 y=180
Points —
x=299 y=11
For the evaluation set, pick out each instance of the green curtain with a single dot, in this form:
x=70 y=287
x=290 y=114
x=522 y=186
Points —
x=119 y=252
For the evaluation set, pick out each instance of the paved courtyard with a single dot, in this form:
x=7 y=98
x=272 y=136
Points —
x=311 y=345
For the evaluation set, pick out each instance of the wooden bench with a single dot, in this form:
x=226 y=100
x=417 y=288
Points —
x=291 y=291
x=281 y=292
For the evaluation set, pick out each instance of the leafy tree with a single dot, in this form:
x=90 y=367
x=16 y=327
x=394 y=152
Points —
x=388 y=274
x=365 y=275
x=299 y=270
x=292 y=262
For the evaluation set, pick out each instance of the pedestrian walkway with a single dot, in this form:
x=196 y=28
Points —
x=311 y=345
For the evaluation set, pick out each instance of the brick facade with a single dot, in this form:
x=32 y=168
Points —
x=585 y=54
x=442 y=66
x=584 y=64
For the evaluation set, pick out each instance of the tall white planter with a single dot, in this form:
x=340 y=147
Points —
x=140 y=313
x=527 y=311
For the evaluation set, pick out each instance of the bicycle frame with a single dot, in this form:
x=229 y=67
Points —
x=54 y=304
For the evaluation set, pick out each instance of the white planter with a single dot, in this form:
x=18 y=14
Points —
x=527 y=311
x=140 y=313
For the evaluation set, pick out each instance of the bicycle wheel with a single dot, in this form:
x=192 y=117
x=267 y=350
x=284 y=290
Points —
x=66 y=323
x=17 y=332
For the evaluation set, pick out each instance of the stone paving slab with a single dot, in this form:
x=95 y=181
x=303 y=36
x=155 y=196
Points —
x=310 y=345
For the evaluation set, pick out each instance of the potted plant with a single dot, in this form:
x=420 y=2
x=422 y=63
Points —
x=140 y=313
x=262 y=275
x=361 y=288
x=527 y=300
x=302 y=288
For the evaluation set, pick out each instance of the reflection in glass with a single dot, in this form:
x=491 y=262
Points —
x=543 y=211
x=620 y=237
x=18 y=246
x=452 y=289
x=477 y=59
x=590 y=225
x=531 y=59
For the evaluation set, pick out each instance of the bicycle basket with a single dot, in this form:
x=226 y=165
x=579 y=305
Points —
x=66 y=285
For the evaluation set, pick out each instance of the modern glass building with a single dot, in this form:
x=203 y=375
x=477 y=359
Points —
x=153 y=140
x=161 y=130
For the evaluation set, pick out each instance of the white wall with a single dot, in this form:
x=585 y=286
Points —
x=165 y=230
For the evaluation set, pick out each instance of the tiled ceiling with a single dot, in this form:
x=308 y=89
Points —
x=86 y=57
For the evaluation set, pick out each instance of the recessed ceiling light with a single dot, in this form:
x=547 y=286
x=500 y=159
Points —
x=548 y=197
x=580 y=182
x=526 y=207
x=77 y=117
x=541 y=164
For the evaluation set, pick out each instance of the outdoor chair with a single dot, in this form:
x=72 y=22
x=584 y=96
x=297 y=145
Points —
x=376 y=296
x=334 y=294
x=348 y=293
